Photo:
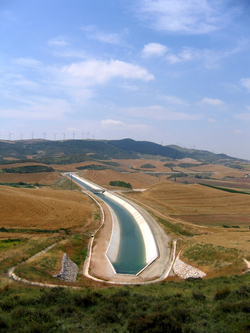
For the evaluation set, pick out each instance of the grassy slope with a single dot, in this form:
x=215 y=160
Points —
x=216 y=305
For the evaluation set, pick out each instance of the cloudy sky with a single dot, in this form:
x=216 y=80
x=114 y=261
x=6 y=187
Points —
x=167 y=71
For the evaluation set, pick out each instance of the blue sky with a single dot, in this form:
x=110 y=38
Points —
x=167 y=71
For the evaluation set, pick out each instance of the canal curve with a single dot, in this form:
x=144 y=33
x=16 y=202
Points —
x=132 y=245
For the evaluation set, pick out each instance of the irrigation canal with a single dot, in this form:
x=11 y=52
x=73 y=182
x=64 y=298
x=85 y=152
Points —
x=131 y=257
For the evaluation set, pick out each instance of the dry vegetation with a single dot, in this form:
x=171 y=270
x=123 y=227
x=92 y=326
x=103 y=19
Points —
x=43 y=208
x=194 y=214
x=207 y=214
x=136 y=179
x=32 y=219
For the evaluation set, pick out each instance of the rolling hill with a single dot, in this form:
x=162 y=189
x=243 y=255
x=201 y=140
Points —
x=76 y=151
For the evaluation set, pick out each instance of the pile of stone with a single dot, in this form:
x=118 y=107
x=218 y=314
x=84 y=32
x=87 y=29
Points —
x=186 y=271
x=68 y=271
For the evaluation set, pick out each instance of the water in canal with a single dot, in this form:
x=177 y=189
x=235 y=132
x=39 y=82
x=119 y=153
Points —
x=131 y=255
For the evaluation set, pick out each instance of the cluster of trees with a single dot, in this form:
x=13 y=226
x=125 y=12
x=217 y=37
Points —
x=120 y=183
x=29 y=169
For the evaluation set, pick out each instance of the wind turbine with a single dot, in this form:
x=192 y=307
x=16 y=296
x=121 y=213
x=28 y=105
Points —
x=82 y=135
x=21 y=136
x=44 y=135
x=74 y=135
x=55 y=136
x=63 y=136
x=87 y=134
x=10 y=136
x=32 y=135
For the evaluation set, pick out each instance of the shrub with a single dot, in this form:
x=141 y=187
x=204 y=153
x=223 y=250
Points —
x=242 y=292
x=198 y=296
x=54 y=296
x=221 y=294
x=106 y=316
x=85 y=301
x=3 y=324
x=154 y=323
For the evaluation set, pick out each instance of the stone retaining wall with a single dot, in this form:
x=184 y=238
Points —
x=68 y=271
x=186 y=271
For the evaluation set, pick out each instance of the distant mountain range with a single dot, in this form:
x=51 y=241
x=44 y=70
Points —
x=76 y=151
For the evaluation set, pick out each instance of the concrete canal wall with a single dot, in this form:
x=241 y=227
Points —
x=87 y=182
x=114 y=243
x=148 y=237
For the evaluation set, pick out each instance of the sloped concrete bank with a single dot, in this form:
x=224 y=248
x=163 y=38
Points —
x=149 y=240
x=151 y=248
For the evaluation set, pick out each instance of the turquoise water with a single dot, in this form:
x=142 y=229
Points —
x=131 y=255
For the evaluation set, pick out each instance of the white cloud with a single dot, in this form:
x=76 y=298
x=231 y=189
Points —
x=243 y=116
x=185 y=16
x=154 y=50
x=213 y=102
x=104 y=37
x=187 y=54
x=212 y=120
x=38 y=109
x=157 y=112
x=245 y=82
x=26 y=62
x=59 y=41
x=174 y=100
x=96 y=71
x=237 y=131
x=117 y=124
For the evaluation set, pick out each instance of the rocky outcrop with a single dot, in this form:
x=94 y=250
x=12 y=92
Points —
x=186 y=271
x=68 y=271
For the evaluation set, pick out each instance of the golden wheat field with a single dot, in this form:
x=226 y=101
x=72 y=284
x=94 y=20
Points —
x=136 y=179
x=44 y=208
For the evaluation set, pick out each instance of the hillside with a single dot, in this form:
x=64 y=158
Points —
x=76 y=151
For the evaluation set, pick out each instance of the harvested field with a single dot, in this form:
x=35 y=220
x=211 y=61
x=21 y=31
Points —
x=44 y=208
x=136 y=179
x=218 y=220
x=206 y=210
x=179 y=199
x=43 y=178
x=219 y=171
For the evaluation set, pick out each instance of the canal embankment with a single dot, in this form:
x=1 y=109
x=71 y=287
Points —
x=99 y=265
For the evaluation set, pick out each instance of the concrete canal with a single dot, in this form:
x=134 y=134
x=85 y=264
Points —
x=132 y=245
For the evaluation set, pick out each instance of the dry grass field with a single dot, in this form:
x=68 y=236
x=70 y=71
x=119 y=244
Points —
x=218 y=221
x=43 y=178
x=32 y=219
x=201 y=218
x=43 y=208
x=136 y=179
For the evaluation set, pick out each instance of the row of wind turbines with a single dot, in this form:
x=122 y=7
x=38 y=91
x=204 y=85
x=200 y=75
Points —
x=84 y=135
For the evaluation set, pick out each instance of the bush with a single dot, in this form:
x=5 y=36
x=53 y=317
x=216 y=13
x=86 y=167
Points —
x=85 y=301
x=106 y=316
x=221 y=294
x=198 y=296
x=154 y=323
